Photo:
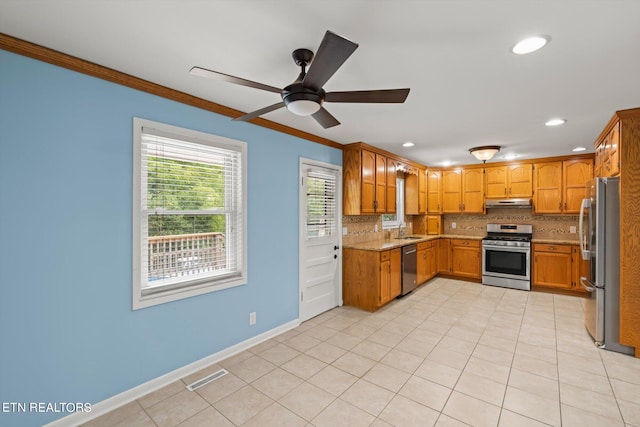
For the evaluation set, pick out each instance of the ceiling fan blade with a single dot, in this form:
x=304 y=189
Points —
x=372 y=96
x=332 y=53
x=259 y=112
x=203 y=72
x=325 y=119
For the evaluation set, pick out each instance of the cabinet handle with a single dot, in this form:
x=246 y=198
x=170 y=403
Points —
x=552 y=248
x=560 y=206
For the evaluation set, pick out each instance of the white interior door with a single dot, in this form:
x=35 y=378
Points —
x=320 y=239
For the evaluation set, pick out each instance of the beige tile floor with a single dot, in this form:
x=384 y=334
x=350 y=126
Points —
x=451 y=353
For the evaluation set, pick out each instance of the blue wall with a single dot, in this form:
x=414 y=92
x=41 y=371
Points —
x=68 y=333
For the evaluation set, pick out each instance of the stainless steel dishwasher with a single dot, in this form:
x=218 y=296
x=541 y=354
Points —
x=409 y=268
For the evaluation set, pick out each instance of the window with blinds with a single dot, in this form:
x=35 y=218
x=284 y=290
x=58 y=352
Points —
x=321 y=204
x=189 y=204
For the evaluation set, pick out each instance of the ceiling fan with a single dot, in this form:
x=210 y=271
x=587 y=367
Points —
x=305 y=95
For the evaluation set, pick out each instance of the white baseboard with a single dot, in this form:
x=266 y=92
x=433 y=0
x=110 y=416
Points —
x=137 y=392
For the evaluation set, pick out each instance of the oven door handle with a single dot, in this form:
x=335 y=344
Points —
x=506 y=248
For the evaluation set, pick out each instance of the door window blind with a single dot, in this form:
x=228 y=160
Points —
x=321 y=204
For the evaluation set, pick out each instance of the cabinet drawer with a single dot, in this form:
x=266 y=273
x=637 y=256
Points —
x=544 y=247
x=466 y=243
x=424 y=245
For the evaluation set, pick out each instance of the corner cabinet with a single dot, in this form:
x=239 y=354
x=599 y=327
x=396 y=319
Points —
x=371 y=278
x=367 y=189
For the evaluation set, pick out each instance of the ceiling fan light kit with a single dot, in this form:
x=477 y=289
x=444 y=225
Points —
x=305 y=96
x=485 y=152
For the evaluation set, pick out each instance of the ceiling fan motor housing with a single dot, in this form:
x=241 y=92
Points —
x=296 y=92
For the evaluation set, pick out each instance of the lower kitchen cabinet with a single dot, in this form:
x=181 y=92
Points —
x=427 y=261
x=444 y=256
x=466 y=258
x=371 y=279
x=558 y=267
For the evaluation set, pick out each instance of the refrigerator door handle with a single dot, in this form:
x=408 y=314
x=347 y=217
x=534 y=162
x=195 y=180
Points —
x=586 y=204
x=587 y=285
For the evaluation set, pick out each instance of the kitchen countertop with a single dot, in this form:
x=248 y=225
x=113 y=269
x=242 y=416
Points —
x=386 y=244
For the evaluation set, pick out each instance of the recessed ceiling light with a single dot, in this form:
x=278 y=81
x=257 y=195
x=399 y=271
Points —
x=530 y=44
x=446 y=163
x=555 y=122
x=509 y=156
x=579 y=149
x=408 y=144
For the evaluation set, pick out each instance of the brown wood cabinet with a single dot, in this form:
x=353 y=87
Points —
x=466 y=258
x=622 y=134
x=434 y=191
x=427 y=261
x=444 y=256
x=415 y=193
x=369 y=185
x=509 y=181
x=552 y=266
x=559 y=187
x=434 y=224
x=558 y=266
x=371 y=278
x=463 y=190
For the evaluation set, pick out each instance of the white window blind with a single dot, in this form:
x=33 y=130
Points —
x=191 y=213
x=321 y=204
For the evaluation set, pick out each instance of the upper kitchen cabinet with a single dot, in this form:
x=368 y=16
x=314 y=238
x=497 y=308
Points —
x=415 y=192
x=575 y=175
x=607 y=153
x=434 y=192
x=509 y=181
x=559 y=187
x=369 y=182
x=463 y=190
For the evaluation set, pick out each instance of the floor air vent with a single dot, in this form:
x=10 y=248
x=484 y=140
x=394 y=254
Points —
x=206 y=380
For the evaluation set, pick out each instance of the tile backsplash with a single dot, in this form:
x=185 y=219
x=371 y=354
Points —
x=554 y=227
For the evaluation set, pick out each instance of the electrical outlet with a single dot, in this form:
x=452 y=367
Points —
x=375 y=228
x=572 y=229
x=344 y=231
x=252 y=318
x=453 y=225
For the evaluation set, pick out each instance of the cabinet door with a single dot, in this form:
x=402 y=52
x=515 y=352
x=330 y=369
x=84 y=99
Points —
x=380 y=204
x=434 y=224
x=432 y=261
x=598 y=168
x=473 y=190
x=391 y=186
x=422 y=191
x=395 y=275
x=452 y=191
x=422 y=265
x=368 y=166
x=385 y=281
x=434 y=193
x=444 y=256
x=519 y=181
x=496 y=182
x=411 y=194
x=552 y=266
x=465 y=261
x=613 y=166
x=547 y=184
x=576 y=174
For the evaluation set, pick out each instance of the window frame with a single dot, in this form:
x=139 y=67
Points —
x=188 y=287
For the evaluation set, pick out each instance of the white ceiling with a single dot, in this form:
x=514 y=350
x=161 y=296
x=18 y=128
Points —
x=467 y=88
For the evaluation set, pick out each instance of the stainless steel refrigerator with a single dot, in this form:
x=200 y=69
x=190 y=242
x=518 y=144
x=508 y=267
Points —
x=600 y=246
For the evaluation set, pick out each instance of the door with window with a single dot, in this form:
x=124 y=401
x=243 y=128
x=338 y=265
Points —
x=320 y=255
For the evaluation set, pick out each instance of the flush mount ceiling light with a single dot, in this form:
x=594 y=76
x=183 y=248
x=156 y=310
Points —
x=408 y=144
x=303 y=107
x=484 y=153
x=530 y=44
x=555 y=122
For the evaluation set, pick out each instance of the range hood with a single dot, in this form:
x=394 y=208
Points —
x=507 y=203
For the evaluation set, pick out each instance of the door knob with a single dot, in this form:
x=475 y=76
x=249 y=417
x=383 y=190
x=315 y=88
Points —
x=335 y=248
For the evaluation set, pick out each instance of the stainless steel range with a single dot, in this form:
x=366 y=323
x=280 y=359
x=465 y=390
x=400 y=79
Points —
x=506 y=256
